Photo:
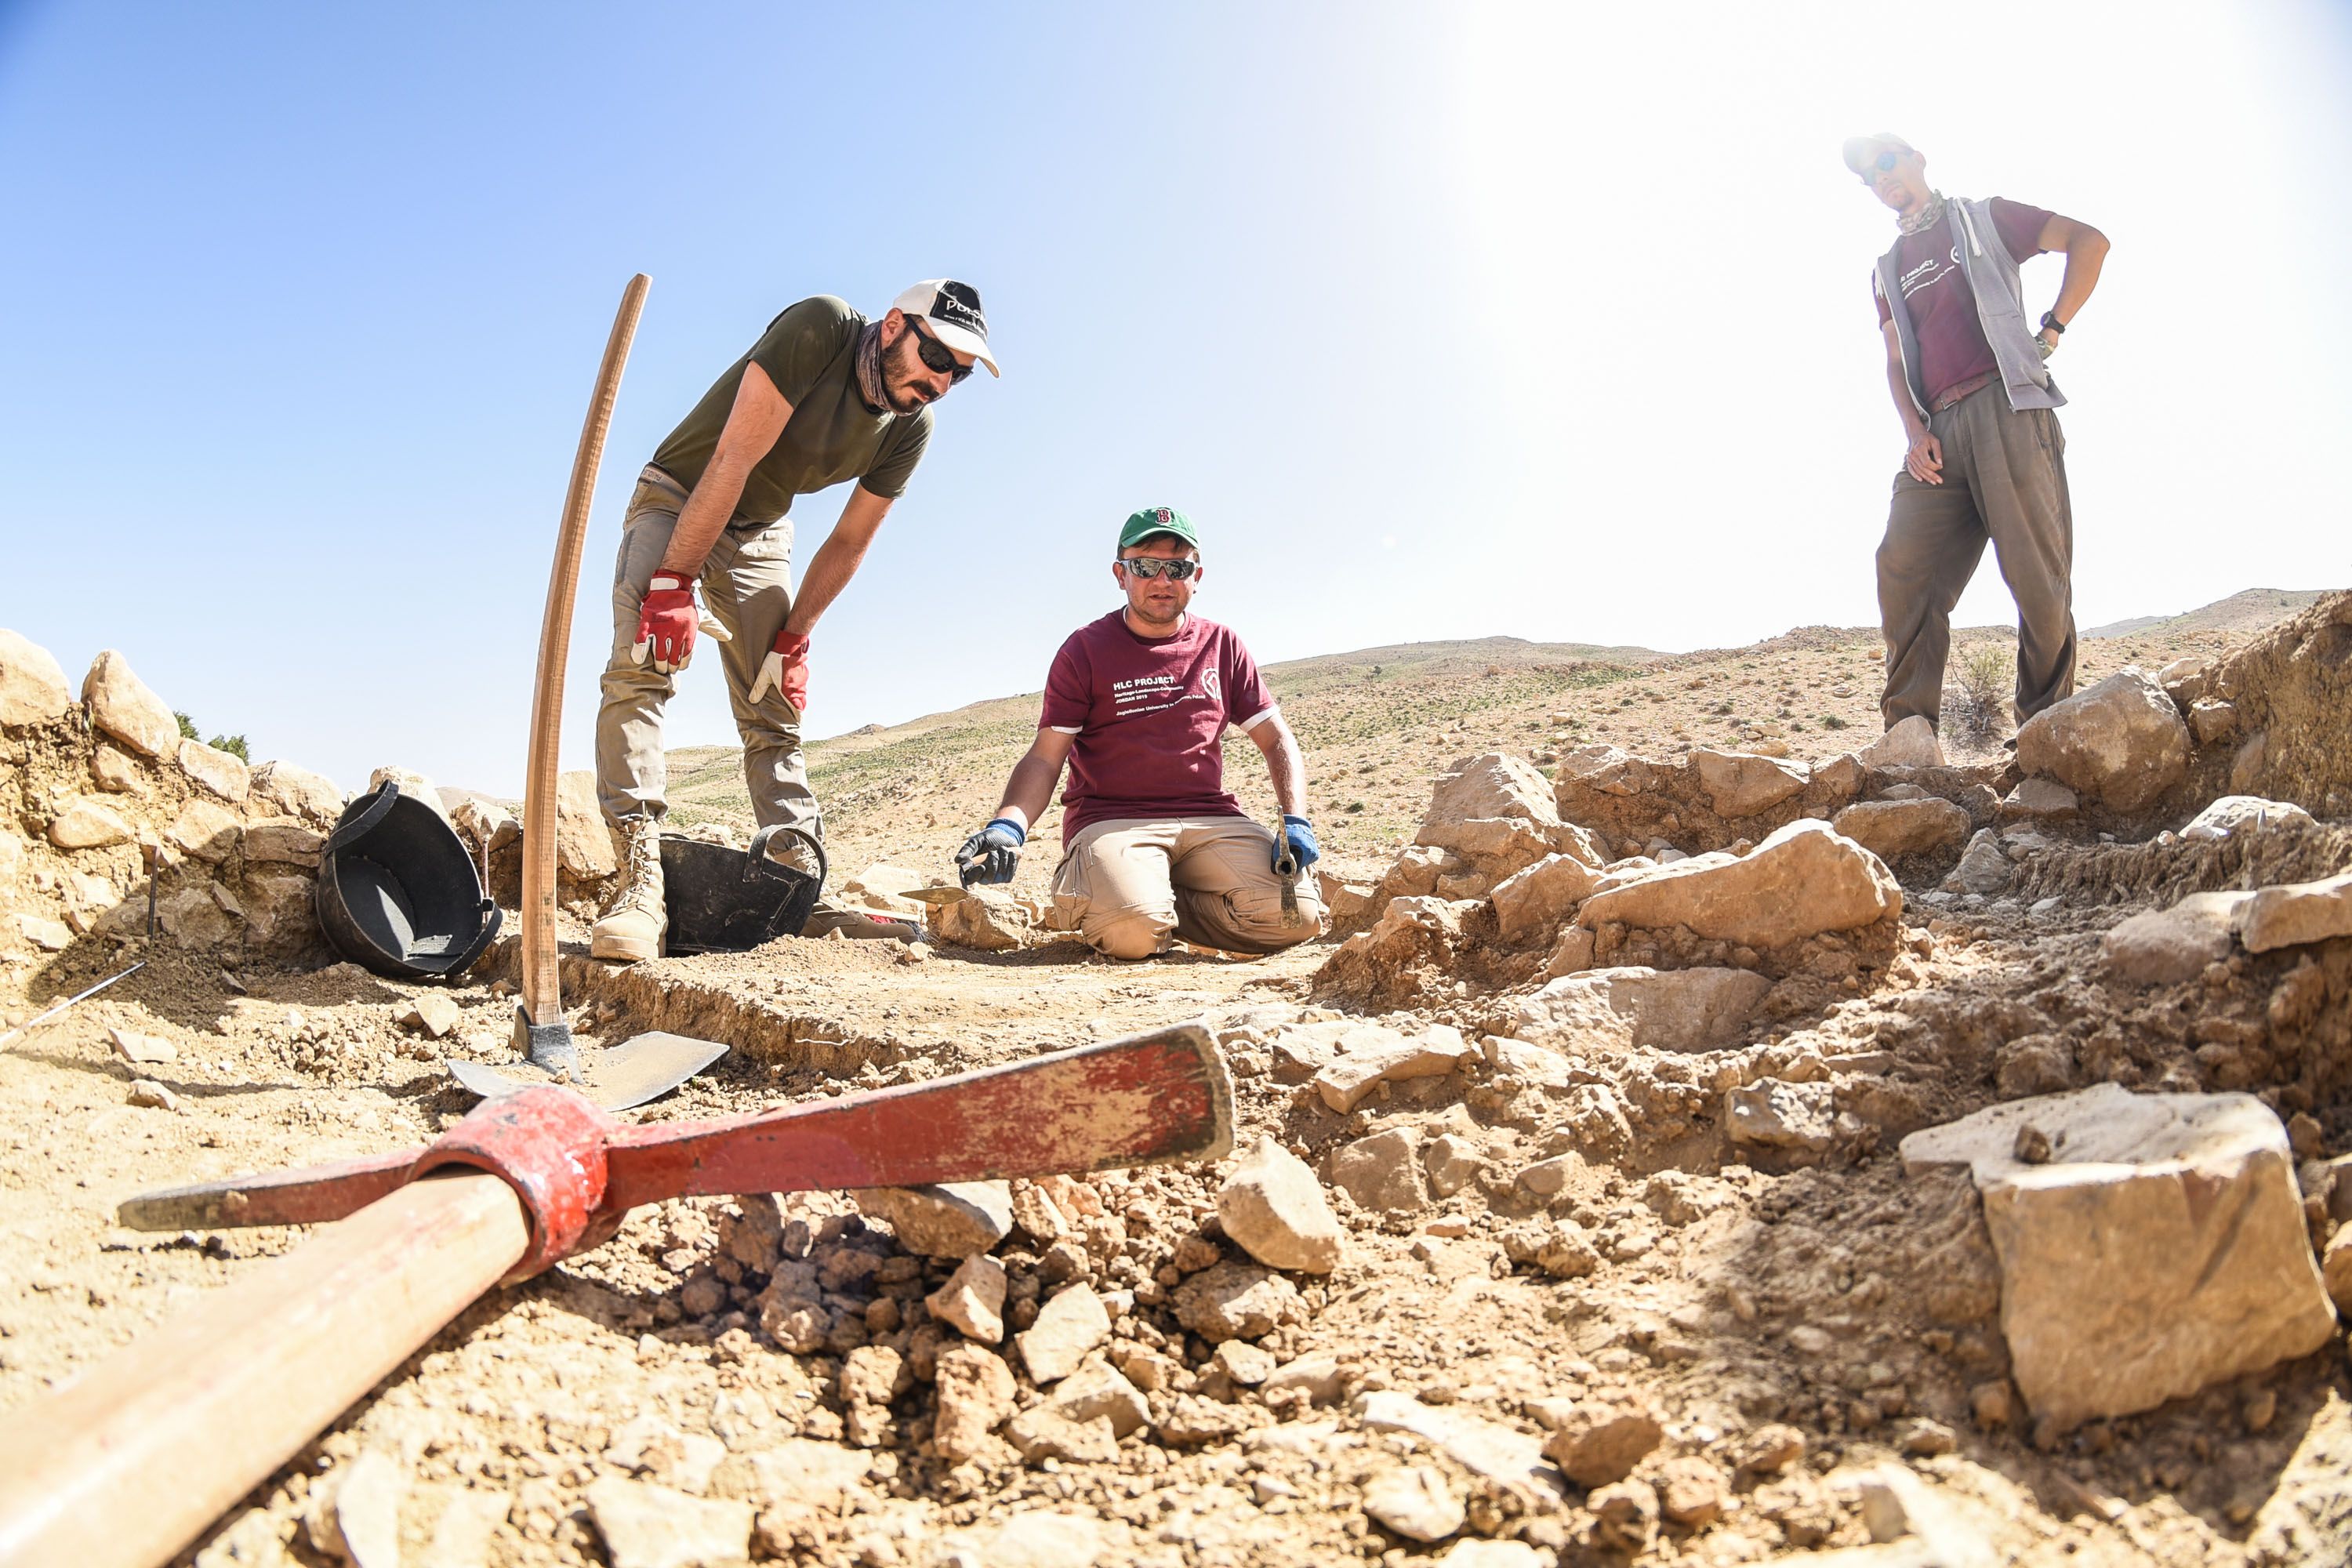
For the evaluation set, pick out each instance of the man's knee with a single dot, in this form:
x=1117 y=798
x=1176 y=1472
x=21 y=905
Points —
x=1128 y=933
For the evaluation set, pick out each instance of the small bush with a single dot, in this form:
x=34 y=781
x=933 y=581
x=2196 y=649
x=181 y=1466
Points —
x=233 y=745
x=1984 y=680
x=187 y=727
x=1831 y=722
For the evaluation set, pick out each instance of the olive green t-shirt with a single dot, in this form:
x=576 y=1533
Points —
x=809 y=351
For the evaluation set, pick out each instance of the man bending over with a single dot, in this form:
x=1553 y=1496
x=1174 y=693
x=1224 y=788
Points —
x=1154 y=846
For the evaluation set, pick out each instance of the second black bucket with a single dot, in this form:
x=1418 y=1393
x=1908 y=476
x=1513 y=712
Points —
x=723 y=900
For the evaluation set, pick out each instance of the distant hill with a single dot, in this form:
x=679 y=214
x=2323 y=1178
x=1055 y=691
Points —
x=2250 y=611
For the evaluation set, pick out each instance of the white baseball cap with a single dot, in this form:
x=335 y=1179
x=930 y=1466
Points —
x=953 y=311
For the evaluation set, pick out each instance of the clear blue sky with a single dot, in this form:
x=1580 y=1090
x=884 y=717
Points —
x=1441 y=320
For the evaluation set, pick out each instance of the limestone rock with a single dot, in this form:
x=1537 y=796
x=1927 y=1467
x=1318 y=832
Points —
x=2164 y=947
x=199 y=917
x=296 y=792
x=648 y=1526
x=116 y=772
x=652 y=1449
x=1316 y=1377
x=121 y=706
x=136 y=1047
x=1070 y=1324
x=358 y=1517
x=33 y=689
x=1910 y=744
x=2039 y=801
x=48 y=935
x=2212 y=720
x=1453 y=1162
x=1247 y=1365
x=1772 y=1114
x=1235 y=1300
x=989 y=921
x=2121 y=740
x=1511 y=1459
x=1349 y=899
x=1603 y=1437
x=584 y=845
x=1415 y=1501
x=1803 y=879
x=1037 y=1539
x=2296 y=912
x=433 y=1014
x=1490 y=787
x=2160 y=1248
x=954 y=1219
x=1983 y=869
x=976 y=1391
x=281 y=918
x=972 y=1300
x=2336 y=1268
x=85 y=824
x=485 y=825
x=1477 y=1551
x=2236 y=816
x=1382 y=1173
x=1741 y=784
x=1367 y=1063
x=1274 y=1209
x=1626 y=1008
x=1045 y=1433
x=2184 y=678
x=1892 y=829
x=1539 y=899
x=206 y=830
x=1097 y=1392
x=1691 y=1492
x=800 y=1469
x=283 y=844
x=223 y=773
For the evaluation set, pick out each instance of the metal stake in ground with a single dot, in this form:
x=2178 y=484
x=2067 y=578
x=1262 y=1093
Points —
x=540 y=1033
x=213 y=1401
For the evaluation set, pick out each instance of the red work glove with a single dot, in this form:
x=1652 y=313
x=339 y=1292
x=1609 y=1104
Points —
x=665 y=623
x=784 y=669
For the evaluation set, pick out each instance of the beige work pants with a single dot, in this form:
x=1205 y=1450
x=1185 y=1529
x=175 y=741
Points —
x=2004 y=481
x=1131 y=884
x=747 y=587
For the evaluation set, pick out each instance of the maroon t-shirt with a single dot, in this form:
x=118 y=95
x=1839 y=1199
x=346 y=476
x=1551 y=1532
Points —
x=1149 y=715
x=1943 y=307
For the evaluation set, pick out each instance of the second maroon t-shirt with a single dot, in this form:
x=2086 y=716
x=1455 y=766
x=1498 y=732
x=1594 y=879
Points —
x=1943 y=307
x=1149 y=715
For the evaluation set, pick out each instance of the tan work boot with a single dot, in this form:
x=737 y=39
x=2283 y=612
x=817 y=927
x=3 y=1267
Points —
x=632 y=925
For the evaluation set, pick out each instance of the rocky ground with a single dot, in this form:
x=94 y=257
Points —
x=1572 y=1217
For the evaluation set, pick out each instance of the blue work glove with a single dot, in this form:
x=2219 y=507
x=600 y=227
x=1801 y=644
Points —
x=1299 y=838
x=992 y=853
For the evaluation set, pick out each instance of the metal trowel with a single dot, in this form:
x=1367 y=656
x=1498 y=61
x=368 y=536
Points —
x=630 y=1074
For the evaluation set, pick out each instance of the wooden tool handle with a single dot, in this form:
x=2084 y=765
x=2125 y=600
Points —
x=542 y=986
x=127 y=1465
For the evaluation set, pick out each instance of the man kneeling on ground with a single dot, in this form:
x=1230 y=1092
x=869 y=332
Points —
x=1154 y=846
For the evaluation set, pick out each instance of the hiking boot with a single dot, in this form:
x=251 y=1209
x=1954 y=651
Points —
x=632 y=925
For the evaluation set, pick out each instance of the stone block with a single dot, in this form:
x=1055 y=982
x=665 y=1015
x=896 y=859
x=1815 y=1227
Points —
x=1274 y=1209
x=1620 y=1009
x=1803 y=879
x=2121 y=741
x=121 y=706
x=2295 y=913
x=1739 y=783
x=1893 y=829
x=33 y=689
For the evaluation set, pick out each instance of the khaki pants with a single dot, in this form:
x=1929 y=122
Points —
x=1129 y=884
x=747 y=587
x=2004 y=481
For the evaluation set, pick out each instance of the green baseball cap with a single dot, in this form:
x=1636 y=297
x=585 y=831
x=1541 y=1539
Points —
x=1153 y=520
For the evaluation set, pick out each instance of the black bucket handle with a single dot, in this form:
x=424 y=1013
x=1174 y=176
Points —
x=492 y=917
x=350 y=831
x=757 y=856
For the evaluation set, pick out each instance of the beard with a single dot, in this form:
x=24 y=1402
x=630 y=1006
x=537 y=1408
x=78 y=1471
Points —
x=901 y=368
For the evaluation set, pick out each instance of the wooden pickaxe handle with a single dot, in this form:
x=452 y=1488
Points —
x=127 y=1465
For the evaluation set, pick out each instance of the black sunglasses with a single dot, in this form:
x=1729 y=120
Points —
x=935 y=354
x=1883 y=161
x=1149 y=566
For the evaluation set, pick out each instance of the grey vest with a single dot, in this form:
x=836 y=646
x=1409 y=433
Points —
x=2000 y=308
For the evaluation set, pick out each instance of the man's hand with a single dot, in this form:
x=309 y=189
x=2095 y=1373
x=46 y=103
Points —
x=1925 y=460
x=784 y=669
x=1298 y=839
x=665 y=623
x=2047 y=342
x=992 y=853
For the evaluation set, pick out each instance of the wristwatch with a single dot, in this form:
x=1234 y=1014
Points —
x=2050 y=320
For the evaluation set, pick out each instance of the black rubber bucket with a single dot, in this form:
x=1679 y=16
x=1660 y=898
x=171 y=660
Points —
x=723 y=899
x=398 y=892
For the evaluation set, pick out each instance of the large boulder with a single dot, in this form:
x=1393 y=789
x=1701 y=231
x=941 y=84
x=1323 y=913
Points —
x=2235 y=816
x=1536 y=900
x=1894 y=829
x=33 y=689
x=1803 y=879
x=223 y=773
x=1739 y=783
x=2121 y=741
x=1619 y=1009
x=2164 y=947
x=296 y=792
x=2151 y=1246
x=1494 y=813
x=2296 y=912
x=121 y=706
x=1910 y=744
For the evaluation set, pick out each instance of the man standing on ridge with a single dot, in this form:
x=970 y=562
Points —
x=825 y=395
x=1985 y=458
x=1154 y=846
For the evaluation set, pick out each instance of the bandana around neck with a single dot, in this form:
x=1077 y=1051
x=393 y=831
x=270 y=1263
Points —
x=869 y=369
x=1924 y=217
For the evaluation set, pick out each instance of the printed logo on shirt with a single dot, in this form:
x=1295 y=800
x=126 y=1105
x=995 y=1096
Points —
x=1142 y=694
x=1931 y=272
x=1208 y=682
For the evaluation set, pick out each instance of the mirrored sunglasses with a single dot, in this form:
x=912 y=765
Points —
x=935 y=354
x=1149 y=567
